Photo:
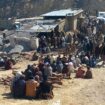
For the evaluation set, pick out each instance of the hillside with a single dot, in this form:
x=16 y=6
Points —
x=28 y=8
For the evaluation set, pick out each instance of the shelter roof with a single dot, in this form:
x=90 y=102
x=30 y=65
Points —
x=40 y=28
x=63 y=12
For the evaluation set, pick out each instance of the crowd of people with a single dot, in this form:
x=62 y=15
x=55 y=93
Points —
x=7 y=62
x=56 y=40
x=87 y=40
x=38 y=79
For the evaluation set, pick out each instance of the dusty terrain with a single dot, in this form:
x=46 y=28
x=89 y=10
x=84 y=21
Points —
x=72 y=92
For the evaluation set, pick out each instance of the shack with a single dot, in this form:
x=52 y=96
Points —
x=70 y=16
x=41 y=27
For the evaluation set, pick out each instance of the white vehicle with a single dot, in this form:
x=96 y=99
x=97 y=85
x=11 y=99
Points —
x=101 y=14
x=101 y=18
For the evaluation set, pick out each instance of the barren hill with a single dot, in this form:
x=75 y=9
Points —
x=27 y=8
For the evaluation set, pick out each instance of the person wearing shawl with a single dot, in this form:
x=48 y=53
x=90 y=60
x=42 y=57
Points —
x=18 y=86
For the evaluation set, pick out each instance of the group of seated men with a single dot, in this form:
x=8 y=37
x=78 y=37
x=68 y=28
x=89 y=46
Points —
x=37 y=80
x=7 y=63
x=30 y=87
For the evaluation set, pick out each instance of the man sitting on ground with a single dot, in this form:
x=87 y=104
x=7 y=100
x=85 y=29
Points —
x=88 y=74
x=34 y=57
x=2 y=62
x=18 y=85
x=31 y=87
x=80 y=72
x=8 y=64
x=47 y=70
x=45 y=90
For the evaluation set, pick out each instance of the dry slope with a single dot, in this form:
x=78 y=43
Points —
x=73 y=92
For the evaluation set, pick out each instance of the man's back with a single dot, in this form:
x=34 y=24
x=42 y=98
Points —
x=31 y=86
x=19 y=88
x=88 y=75
x=48 y=71
x=46 y=90
x=80 y=73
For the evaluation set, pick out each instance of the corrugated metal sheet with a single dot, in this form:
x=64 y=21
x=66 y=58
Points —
x=40 y=28
x=43 y=28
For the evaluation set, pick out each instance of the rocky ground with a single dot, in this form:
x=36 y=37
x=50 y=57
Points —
x=72 y=92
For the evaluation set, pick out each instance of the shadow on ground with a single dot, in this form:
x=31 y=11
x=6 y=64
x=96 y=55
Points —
x=7 y=96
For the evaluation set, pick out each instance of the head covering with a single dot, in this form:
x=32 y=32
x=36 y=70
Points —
x=1 y=59
x=47 y=63
x=84 y=65
x=29 y=73
x=18 y=75
x=86 y=57
x=80 y=65
x=70 y=63
x=29 y=66
x=73 y=57
x=77 y=56
x=66 y=63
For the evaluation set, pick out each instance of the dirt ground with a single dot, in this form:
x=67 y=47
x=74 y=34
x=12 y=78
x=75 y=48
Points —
x=72 y=92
